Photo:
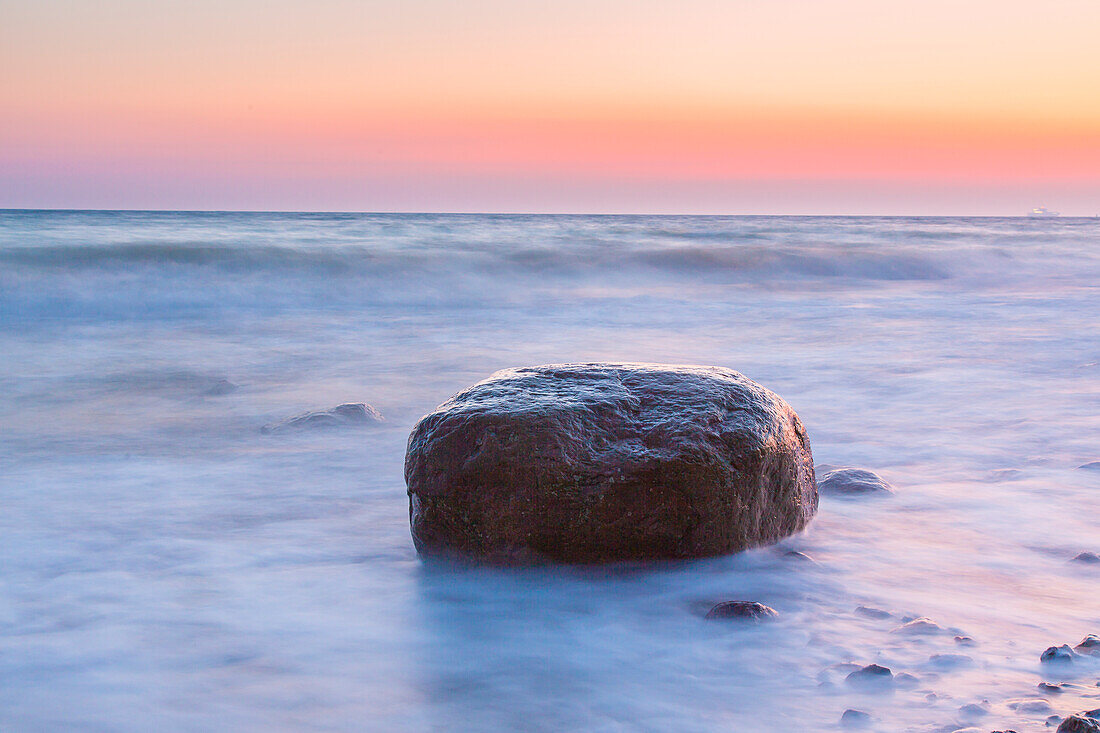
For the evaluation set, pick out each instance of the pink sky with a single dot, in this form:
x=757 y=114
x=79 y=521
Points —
x=833 y=106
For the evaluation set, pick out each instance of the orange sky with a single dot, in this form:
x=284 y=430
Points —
x=832 y=106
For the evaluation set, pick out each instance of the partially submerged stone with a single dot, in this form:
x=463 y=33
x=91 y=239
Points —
x=1089 y=558
x=873 y=675
x=605 y=462
x=871 y=612
x=351 y=413
x=918 y=627
x=1030 y=706
x=747 y=610
x=853 y=482
x=1057 y=654
x=852 y=718
x=1079 y=724
x=975 y=709
x=1089 y=645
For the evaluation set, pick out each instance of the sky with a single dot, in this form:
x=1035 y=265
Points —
x=694 y=106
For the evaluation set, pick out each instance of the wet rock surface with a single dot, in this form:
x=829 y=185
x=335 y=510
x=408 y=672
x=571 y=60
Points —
x=604 y=462
x=1089 y=558
x=1079 y=724
x=1090 y=645
x=853 y=482
x=1057 y=654
x=747 y=610
x=351 y=413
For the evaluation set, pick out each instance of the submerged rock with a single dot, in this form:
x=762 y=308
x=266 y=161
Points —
x=1090 y=558
x=1057 y=654
x=604 y=462
x=950 y=660
x=873 y=675
x=220 y=387
x=748 y=610
x=965 y=641
x=1079 y=724
x=904 y=679
x=1032 y=706
x=855 y=719
x=918 y=627
x=1093 y=466
x=853 y=482
x=870 y=612
x=975 y=709
x=352 y=413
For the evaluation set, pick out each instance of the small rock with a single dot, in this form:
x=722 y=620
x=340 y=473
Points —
x=964 y=641
x=1089 y=645
x=800 y=556
x=1090 y=558
x=1091 y=466
x=748 y=610
x=855 y=719
x=1079 y=724
x=870 y=612
x=853 y=482
x=1032 y=706
x=904 y=679
x=1049 y=688
x=352 y=413
x=918 y=627
x=950 y=661
x=1057 y=654
x=968 y=729
x=975 y=709
x=873 y=675
x=220 y=387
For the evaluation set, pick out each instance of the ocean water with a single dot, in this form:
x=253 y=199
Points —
x=167 y=565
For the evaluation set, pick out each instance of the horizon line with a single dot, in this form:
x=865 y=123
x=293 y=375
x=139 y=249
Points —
x=526 y=213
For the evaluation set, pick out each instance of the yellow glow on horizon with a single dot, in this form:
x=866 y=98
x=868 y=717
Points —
x=700 y=89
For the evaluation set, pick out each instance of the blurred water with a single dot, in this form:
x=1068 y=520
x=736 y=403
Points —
x=164 y=564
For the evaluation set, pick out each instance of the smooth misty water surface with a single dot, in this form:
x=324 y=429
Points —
x=167 y=566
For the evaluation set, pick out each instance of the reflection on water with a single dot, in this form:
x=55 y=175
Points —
x=165 y=563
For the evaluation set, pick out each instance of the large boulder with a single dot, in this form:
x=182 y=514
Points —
x=603 y=462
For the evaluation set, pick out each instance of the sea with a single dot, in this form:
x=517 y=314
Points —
x=168 y=564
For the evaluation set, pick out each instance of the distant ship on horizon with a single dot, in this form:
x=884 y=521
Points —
x=1041 y=211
